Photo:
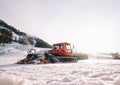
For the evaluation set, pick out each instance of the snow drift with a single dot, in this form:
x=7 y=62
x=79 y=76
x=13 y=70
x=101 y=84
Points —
x=13 y=80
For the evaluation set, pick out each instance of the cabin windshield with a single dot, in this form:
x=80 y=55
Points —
x=57 y=46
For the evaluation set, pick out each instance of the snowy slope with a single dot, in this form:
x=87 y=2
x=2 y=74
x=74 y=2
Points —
x=85 y=72
x=22 y=37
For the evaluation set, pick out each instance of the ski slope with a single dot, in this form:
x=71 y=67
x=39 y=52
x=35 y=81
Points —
x=86 y=72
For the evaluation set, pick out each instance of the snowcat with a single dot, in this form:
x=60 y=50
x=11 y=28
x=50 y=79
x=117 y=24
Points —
x=61 y=52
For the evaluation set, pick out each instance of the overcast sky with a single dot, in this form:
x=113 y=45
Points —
x=91 y=25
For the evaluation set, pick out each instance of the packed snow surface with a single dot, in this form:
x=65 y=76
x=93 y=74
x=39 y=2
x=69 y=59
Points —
x=86 y=72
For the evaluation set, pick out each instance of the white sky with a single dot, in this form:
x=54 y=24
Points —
x=91 y=25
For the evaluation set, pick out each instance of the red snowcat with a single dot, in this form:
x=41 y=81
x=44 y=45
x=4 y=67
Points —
x=60 y=52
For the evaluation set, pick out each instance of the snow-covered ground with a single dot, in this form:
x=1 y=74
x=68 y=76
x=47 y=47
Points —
x=93 y=71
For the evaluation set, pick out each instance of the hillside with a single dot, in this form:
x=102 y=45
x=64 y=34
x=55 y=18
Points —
x=9 y=34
